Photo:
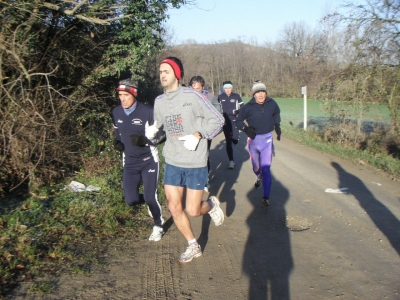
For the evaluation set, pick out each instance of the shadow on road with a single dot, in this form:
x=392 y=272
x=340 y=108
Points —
x=267 y=257
x=221 y=176
x=383 y=218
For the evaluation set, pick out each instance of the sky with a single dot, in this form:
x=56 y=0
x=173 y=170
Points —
x=224 y=20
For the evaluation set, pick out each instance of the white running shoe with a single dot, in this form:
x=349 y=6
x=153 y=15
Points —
x=157 y=234
x=217 y=215
x=231 y=164
x=193 y=251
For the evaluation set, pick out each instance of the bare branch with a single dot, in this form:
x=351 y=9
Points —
x=90 y=19
x=79 y=5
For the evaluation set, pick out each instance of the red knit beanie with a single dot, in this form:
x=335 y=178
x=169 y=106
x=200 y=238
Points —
x=176 y=65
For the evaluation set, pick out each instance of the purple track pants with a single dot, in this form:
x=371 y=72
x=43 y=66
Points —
x=261 y=150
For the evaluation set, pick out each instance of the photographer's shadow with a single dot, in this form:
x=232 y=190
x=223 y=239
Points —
x=267 y=257
x=382 y=217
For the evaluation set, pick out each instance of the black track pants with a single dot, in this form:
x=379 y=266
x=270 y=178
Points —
x=134 y=175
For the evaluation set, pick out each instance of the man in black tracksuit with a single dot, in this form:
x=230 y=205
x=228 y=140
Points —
x=139 y=154
x=230 y=103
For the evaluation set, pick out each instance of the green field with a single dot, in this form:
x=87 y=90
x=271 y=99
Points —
x=292 y=110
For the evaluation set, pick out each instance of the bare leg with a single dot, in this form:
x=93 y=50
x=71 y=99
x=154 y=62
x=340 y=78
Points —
x=194 y=206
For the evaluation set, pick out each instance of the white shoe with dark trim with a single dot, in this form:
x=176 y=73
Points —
x=193 y=251
x=157 y=234
x=217 y=215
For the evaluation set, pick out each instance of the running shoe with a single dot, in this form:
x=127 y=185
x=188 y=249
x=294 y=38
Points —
x=231 y=164
x=157 y=234
x=217 y=215
x=257 y=184
x=193 y=251
x=265 y=202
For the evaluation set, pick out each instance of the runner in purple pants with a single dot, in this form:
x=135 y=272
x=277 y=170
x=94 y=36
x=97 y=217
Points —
x=262 y=115
x=260 y=150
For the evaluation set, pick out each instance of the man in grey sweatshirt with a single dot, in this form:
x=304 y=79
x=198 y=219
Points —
x=189 y=120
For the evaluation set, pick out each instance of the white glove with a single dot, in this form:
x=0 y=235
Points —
x=150 y=131
x=191 y=141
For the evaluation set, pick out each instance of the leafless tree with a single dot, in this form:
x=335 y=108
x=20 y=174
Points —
x=372 y=36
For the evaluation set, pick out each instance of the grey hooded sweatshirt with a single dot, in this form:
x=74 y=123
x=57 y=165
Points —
x=183 y=112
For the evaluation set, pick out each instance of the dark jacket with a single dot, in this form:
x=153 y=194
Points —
x=229 y=104
x=135 y=123
x=262 y=117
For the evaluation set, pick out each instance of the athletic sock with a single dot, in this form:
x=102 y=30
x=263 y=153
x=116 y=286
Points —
x=193 y=241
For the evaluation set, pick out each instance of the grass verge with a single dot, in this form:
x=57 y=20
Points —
x=57 y=230
x=378 y=159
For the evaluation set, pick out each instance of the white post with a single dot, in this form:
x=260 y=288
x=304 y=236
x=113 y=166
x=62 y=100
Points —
x=304 y=92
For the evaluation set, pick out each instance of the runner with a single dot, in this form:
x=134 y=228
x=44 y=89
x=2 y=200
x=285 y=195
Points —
x=231 y=104
x=262 y=115
x=189 y=120
x=139 y=155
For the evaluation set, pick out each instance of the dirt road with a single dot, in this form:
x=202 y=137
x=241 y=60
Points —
x=332 y=232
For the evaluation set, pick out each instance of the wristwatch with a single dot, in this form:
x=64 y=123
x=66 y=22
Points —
x=201 y=136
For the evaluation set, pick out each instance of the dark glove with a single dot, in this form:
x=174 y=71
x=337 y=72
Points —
x=138 y=140
x=278 y=131
x=118 y=145
x=250 y=131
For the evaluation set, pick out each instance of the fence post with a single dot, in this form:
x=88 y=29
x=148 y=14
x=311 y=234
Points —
x=304 y=92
